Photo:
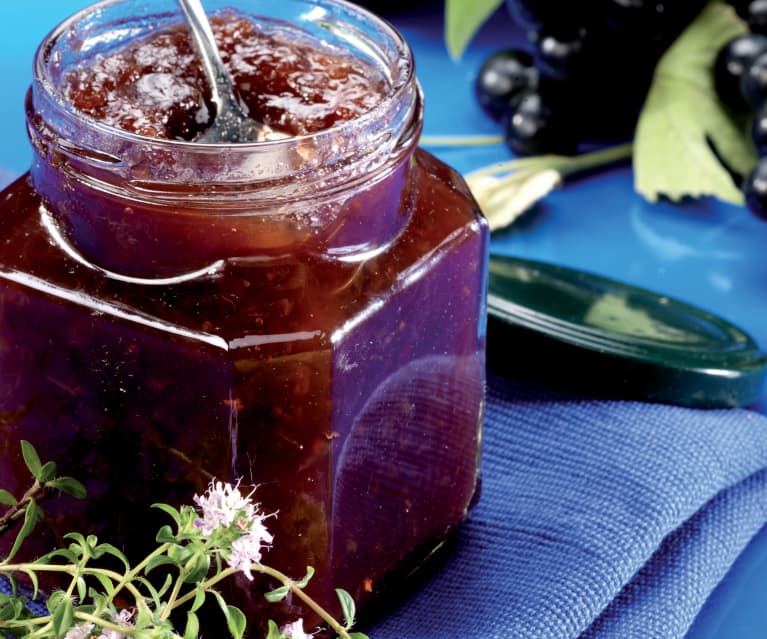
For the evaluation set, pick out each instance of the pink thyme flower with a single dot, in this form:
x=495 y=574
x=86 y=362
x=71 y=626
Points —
x=247 y=551
x=223 y=506
x=79 y=632
x=295 y=630
x=123 y=618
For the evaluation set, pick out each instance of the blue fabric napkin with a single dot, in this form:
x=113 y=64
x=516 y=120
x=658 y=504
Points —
x=597 y=519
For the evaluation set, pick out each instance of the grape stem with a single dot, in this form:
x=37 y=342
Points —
x=565 y=165
x=461 y=140
x=505 y=190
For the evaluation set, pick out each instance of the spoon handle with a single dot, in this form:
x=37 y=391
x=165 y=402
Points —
x=206 y=47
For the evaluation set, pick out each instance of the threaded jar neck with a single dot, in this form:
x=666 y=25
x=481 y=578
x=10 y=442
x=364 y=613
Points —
x=306 y=181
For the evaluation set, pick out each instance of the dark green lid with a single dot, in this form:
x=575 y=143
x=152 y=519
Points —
x=598 y=335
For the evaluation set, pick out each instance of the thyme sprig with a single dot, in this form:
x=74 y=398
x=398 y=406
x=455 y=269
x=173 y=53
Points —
x=223 y=534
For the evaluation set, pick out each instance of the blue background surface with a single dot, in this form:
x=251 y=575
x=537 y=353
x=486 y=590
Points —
x=706 y=253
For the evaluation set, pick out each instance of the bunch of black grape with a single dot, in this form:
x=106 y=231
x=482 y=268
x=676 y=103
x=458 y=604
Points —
x=584 y=74
x=740 y=75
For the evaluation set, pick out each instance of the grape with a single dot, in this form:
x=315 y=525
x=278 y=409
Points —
x=759 y=131
x=594 y=62
x=560 y=54
x=533 y=127
x=503 y=76
x=756 y=16
x=732 y=61
x=753 y=83
x=755 y=189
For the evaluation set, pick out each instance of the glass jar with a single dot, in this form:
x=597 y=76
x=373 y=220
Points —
x=303 y=315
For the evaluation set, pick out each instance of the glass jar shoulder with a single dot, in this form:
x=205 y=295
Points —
x=248 y=299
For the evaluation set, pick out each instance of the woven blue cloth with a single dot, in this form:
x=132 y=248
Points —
x=598 y=519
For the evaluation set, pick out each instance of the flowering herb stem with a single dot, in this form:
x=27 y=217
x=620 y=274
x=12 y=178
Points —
x=206 y=585
x=311 y=603
x=285 y=581
x=173 y=598
x=225 y=534
x=125 y=581
x=104 y=623
x=73 y=571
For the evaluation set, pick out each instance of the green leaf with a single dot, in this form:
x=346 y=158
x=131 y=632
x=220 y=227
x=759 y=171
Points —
x=106 y=583
x=82 y=588
x=62 y=616
x=199 y=598
x=149 y=587
x=31 y=459
x=109 y=549
x=236 y=622
x=32 y=515
x=463 y=18
x=6 y=498
x=273 y=631
x=14 y=584
x=197 y=567
x=672 y=155
x=358 y=635
x=305 y=580
x=221 y=603
x=165 y=535
x=66 y=553
x=48 y=472
x=192 y=630
x=347 y=606
x=278 y=594
x=54 y=601
x=35 y=584
x=157 y=560
x=9 y=610
x=68 y=485
x=81 y=543
x=165 y=585
x=170 y=510
x=235 y=619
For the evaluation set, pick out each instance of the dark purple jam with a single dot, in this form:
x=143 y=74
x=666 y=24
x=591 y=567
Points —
x=156 y=87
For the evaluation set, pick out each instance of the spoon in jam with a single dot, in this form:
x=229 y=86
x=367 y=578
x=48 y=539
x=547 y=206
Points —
x=230 y=124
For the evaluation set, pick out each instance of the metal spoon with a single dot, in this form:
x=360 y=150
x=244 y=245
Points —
x=230 y=124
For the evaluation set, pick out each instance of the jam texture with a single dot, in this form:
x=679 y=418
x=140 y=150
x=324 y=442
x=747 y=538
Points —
x=155 y=87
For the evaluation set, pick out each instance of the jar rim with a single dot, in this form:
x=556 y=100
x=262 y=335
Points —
x=398 y=86
x=372 y=135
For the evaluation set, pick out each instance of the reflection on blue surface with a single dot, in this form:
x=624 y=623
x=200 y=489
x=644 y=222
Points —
x=705 y=253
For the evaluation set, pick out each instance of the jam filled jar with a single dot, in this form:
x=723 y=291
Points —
x=303 y=315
